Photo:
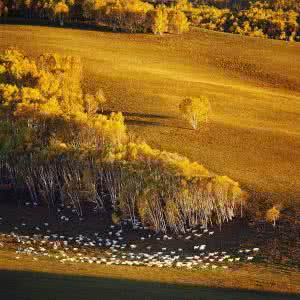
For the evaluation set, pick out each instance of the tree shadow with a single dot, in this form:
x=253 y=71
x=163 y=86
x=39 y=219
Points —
x=143 y=123
x=79 y=24
x=21 y=285
x=140 y=115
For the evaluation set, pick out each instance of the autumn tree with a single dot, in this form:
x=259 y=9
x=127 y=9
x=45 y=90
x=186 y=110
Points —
x=61 y=9
x=195 y=110
x=177 y=21
x=272 y=215
x=158 y=20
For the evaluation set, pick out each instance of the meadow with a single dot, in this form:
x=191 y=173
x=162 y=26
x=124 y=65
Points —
x=253 y=136
x=253 y=85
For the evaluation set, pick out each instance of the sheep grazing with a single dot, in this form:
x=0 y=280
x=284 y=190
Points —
x=70 y=248
x=202 y=247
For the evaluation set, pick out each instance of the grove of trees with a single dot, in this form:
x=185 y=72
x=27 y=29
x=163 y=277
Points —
x=261 y=19
x=124 y=15
x=56 y=146
x=276 y=19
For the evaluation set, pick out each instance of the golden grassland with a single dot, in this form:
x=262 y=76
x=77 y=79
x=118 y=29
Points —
x=253 y=85
x=246 y=279
x=253 y=136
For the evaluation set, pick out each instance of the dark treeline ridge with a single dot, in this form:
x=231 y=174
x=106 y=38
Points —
x=276 y=19
x=57 y=147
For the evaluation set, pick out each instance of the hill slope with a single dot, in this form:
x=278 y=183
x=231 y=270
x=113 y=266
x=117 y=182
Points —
x=253 y=85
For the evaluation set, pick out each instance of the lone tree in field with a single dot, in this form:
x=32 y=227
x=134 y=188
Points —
x=94 y=103
x=61 y=9
x=195 y=110
x=273 y=215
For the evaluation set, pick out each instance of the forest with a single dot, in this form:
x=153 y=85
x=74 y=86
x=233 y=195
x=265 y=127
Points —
x=70 y=153
x=276 y=19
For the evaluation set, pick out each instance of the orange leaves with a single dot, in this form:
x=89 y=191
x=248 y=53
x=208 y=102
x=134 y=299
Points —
x=61 y=8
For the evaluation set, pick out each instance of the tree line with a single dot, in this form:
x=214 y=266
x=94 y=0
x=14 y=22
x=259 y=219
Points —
x=276 y=19
x=56 y=146
x=124 y=15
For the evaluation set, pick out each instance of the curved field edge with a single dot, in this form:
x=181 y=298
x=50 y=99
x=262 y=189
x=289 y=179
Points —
x=250 y=278
x=253 y=85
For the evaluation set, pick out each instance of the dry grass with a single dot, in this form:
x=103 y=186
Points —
x=254 y=135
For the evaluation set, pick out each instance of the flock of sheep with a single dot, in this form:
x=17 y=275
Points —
x=116 y=246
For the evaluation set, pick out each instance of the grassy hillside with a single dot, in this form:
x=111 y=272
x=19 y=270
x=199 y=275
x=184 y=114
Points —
x=253 y=85
x=25 y=280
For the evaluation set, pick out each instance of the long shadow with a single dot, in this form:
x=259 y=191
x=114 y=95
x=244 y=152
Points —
x=140 y=115
x=20 y=285
x=142 y=123
x=146 y=122
x=82 y=25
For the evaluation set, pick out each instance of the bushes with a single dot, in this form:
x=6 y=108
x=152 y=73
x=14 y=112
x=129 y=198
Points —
x=55 y=145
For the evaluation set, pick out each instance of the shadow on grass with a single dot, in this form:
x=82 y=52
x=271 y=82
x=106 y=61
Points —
x=142 y=123
x=149 y=119
x=20 y=285
x=82 y=25
x=140 y=115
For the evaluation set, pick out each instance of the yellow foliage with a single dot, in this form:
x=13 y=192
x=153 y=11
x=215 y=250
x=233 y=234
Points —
x=177 y=22
x=272 y=215
x=61 y=8
x=195 y=110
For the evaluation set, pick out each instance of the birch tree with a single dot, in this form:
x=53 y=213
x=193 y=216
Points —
x=195 y=110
